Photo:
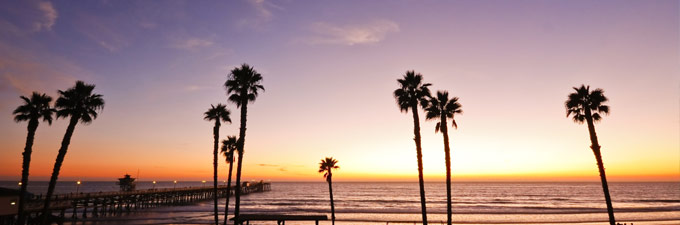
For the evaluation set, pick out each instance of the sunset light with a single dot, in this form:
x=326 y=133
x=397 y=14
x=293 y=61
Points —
x=314 y=107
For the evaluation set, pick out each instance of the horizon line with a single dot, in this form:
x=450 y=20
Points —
x=380 y=181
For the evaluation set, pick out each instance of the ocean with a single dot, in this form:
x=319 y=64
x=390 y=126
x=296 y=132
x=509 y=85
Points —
x=399 y=203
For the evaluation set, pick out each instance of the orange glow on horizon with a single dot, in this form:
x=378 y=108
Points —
x=512 y=65
x=253 y=172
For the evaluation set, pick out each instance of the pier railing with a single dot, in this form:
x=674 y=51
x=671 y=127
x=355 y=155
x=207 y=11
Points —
x=100 y=204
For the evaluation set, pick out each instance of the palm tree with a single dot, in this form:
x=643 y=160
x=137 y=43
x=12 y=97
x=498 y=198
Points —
x=217 y=113
x=243 y=85
x=35 y=108
x=443 y=108
x=587 y=106
x=409 y=95
x=228 y=149
x=79 y=103
x=326 y=166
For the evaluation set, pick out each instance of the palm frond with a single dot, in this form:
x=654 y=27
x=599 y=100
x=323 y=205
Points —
x=326 y=165
x=34 y=108
x=229 y=147
x=243 y=85
x=411 y=92
x=442 y=107
x=596 y=117
x=79 y=101
x=218 y=113
x=603 y=109
x=584 y=104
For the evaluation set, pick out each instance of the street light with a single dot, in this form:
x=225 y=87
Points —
x=77 y=186
x=203 y=183
x=175 y=185
x=20 y=183
x=154 y=185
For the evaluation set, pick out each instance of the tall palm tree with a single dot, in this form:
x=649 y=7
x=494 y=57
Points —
x=217 y=113
x=326 y=166
x=586 y=105
x=411 y=93
x=34 y=109
x=443 y=108
x=81 y=105
x=228 y=149
x=243 y=85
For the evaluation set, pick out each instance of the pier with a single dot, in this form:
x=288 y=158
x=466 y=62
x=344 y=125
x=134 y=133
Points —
x=101 y=204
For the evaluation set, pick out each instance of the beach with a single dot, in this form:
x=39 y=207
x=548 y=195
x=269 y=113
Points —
x=398 y=203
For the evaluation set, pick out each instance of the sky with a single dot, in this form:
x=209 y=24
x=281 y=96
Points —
x=329 y=69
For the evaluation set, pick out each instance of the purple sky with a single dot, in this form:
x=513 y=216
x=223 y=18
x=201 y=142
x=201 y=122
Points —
x=329 y=70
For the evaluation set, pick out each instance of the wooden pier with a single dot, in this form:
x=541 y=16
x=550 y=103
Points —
x=101 y=204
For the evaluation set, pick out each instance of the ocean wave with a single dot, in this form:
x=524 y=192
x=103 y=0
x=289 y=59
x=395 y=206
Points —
x=388 y=210
x=658 y=200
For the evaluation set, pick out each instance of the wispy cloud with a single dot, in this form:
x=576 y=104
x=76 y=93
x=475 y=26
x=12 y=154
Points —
x=263 y=14
x=352 y=34
x=192 y=43
x=261 y=8
x=22 y=72
x=267 y=165
x=29 y=17
x=48 y=17
x=25 y=75
x=280 y=167
x=101 y=32
x=193 y=87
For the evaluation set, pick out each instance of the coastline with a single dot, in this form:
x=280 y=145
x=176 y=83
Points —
x=396 y=203
x=205 y=218
x=200 y=214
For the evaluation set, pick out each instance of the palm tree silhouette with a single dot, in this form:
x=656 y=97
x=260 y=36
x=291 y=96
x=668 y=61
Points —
x=81 y=105
x=409 y=95
x=326 y=166
x=35 y=108
x=217 y=113
x=587 y=106
x=228 y=149
x=443 y=108
x=242 y=86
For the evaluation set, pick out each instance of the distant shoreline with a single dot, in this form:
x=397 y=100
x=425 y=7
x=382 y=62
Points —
x=415 y=181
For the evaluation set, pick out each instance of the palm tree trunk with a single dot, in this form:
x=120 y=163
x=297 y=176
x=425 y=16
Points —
x=330 y=190
x=595 y=146
x=419 y=155
x=216 y=135
x=28 y=150
x=238 y=186
x=226 y=206
x=240 y=145
x=447 y=158
x=57 y=166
